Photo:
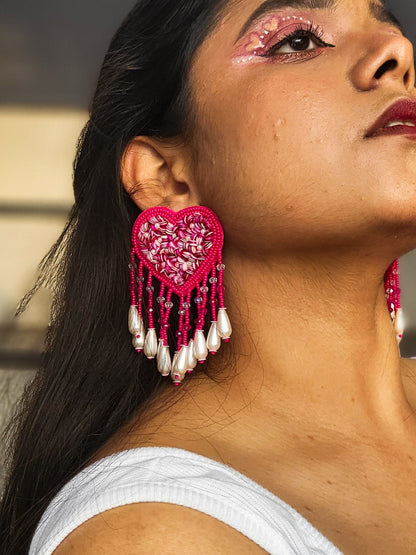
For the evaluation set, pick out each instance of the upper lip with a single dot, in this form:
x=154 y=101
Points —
x=401 y=110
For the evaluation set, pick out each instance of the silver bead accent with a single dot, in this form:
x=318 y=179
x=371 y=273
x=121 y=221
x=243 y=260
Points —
x=150 y=344
x=136 y=326
x=200 y=346
x=213 y=339
x=224 y=328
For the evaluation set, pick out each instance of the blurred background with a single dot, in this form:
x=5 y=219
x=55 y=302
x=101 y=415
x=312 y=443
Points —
x=50 y=54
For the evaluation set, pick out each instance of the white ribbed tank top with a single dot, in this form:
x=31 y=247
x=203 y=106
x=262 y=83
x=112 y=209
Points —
x=170 y=475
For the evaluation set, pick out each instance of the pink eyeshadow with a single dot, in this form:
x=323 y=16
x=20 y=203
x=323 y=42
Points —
x=268 y=32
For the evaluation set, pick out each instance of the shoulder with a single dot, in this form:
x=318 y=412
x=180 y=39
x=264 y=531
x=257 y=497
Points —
x=151 y=528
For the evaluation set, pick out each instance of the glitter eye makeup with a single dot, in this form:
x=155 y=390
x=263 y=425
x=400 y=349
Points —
x=296 y=32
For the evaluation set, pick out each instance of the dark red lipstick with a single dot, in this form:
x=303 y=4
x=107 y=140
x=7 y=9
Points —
x=398 y=119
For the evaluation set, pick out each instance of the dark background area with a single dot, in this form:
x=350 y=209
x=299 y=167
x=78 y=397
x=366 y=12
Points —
x=51 y=51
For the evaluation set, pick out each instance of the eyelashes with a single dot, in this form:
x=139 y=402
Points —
x=297 y=40
x=284 y=40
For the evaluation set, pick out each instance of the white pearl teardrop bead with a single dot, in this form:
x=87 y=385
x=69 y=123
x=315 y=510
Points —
x=136 y=326
x=168 y=360
x=164 y=363
x=182 y=362
x=399 y=324
x=224 y=328
x=176 y=375
x=192 y=360
x=138 y=342
x=159 y=349
x=150 y=344
x=175 y=362
x=200 y=346
x=213 y=339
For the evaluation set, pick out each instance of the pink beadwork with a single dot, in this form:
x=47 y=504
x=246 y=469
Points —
x=392 y=288
x=182 y=251
x=179 y=248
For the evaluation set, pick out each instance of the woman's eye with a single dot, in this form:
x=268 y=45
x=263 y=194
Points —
x=297 y=44
x=299 y=41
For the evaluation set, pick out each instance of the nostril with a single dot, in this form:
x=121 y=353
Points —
x=387 y=66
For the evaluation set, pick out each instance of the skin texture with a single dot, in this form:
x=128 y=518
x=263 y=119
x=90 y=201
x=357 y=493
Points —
x=313 y=213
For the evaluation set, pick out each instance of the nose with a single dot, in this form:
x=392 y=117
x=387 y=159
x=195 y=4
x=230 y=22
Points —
x=387 y=60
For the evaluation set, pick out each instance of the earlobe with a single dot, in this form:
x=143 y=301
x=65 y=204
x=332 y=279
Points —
x=158 y=174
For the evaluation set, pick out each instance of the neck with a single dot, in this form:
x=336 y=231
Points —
x=317 y=340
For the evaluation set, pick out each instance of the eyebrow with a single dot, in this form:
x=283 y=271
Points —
x=380 y=12
x=273 y=5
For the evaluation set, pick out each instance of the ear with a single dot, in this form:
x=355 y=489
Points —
x=158 y=172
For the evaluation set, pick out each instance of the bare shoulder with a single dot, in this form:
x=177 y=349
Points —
x=152 y=528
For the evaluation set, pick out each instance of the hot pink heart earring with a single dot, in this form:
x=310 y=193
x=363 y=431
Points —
x=181 y=254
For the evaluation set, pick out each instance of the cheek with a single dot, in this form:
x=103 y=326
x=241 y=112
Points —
x=261 y=163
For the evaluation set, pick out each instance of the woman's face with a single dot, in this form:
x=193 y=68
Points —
x=282 y=152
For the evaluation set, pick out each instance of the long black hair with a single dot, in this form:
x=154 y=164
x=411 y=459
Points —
x=91 y=380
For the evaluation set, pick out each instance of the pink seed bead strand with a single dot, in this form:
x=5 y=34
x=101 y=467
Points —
x=150 y=300
x=220 y=282
x=200 y=317
x=204 y=297
x=132 y=280
x=180 y=327
x=186 y=327
x=141 y=279
x=396 y=288
x=213 y=294
x=162 y=314
x=166 y=320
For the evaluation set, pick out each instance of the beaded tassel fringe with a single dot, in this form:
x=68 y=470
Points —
x=180 y=253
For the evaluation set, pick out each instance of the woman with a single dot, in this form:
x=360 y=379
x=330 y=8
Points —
x=268 y=114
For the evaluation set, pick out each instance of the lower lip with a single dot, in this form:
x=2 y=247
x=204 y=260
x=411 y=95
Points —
x=410 y=132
